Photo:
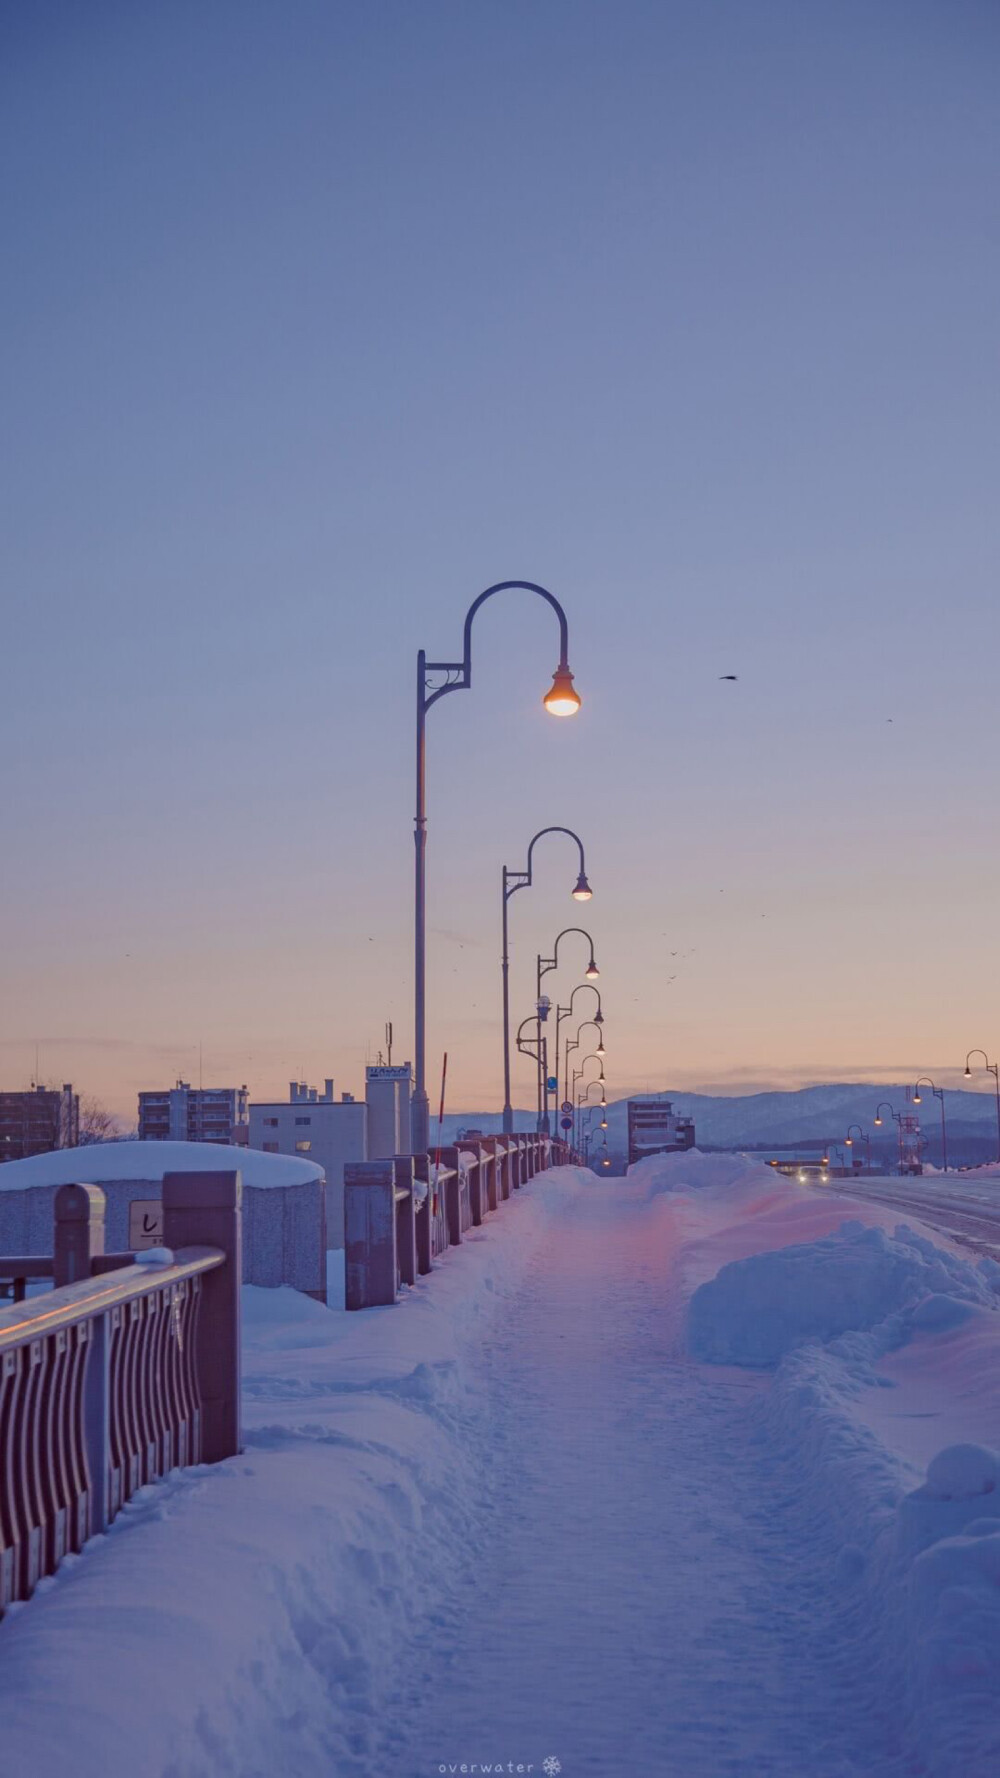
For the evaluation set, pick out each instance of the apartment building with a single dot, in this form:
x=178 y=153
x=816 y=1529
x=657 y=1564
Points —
x=38 y=1121
x=194 y=1114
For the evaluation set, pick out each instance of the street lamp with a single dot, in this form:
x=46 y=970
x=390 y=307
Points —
x=560 y=700
x=938 y=1092
x=543 y=966
x=565 y=1012
x=512 y=881
x=994 y=1069
x=540 y=1050
x=899 y=1121
x=849 y=1140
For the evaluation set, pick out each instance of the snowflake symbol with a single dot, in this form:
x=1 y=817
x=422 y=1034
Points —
x=551 y=1766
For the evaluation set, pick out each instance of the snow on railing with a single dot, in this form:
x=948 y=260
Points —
x=124 y=1371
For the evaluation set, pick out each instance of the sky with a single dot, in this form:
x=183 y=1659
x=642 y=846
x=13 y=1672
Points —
x=317 y=320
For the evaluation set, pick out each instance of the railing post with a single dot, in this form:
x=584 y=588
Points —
x=451 y=1158
x=97 y=1423
x=424 y=1220
x=488 y=1149
x=475 y=1182
x=370 y=1233
x=406 y=1232
x=78 y=1234
x=206 y=1210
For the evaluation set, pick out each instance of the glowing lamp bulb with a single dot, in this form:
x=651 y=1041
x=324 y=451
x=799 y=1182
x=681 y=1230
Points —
x=850 y=1141
x=600 y=1051
x=968 y=1074
x=562 y=699
x=878 y=1123
x=583 y=891
x=592 y=971
x=917 y=1099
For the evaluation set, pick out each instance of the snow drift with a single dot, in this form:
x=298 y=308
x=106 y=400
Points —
x=757 y=1309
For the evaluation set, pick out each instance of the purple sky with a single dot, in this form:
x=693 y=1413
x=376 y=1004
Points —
x=318 y=319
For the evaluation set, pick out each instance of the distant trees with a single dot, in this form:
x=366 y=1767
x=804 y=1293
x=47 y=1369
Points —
x=97 y=1124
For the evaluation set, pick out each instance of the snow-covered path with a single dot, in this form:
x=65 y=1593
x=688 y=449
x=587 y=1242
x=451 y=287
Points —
x=649 y=1590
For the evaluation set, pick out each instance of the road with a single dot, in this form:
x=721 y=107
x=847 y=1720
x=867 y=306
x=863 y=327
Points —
x=965 y=1206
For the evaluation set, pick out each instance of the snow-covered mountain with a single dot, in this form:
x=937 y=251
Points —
x=812 y=1114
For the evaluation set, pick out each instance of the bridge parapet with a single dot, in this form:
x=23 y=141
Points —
x=400 y=1214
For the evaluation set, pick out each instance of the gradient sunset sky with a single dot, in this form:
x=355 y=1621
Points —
x=319 y=318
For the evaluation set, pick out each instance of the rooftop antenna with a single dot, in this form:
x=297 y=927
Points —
x=199 y=1067
x=388 y=1044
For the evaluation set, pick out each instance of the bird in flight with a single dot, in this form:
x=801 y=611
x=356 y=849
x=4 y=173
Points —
x=729 y=676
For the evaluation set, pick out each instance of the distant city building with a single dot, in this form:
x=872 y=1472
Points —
x=654 y=1128
x=315 y=1127
x=387 y=1095
x=194 y=1114
x=38 y=1121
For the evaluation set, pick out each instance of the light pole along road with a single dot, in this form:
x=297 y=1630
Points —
x=560 y=700
x=938 y=1092
x=511 y=882
x=991 y=1068
x=543 y=966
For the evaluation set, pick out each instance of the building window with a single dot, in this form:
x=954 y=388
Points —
x=270 y=1147
x=270 y=1123
x=303 y=1147
x=303 y=1120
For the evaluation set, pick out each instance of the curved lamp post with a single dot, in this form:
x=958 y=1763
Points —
x=524 y=1044
x=565 y=1012
x=583 y=1100
x=899 y=1123
x=575 y=1044
x=994 y=1069
x=926 y=1081
x=849 y=1140
x=543 y=967
x=560 y=700
x=512 y=881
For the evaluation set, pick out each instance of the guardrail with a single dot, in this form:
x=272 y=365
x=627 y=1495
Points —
x=119 y=1374
x=400 y=1214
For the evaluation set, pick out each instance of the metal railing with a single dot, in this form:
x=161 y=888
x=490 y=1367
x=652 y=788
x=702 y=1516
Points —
x=400 y=1214
x=111 y=1380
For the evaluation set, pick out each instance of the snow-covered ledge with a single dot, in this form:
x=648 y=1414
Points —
x=284 y=1202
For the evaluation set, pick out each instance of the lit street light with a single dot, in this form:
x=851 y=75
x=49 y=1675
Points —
x=560 y=700
x=511 y=882
x=938 y=1092
x=542 y=968
x=994 y=1069
x=849 y=1140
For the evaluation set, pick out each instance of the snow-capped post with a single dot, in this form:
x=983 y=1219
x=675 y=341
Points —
x=489 y=1148
x=424 y=1219
x=475 y=1175
x=370 y=1233
x=406 y=1232
x=454 y=1192
x=206 y=1210
x=78 y=1232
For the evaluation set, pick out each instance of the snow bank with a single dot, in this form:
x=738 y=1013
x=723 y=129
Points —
x=757 y=1309
x=100 y=1161
x=694 y=1171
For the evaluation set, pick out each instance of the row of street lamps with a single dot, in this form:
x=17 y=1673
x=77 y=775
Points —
x=434 y=680
x=938 y=1093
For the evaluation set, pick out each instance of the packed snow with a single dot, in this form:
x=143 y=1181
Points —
x=684 y=1473
x=100 y=1161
